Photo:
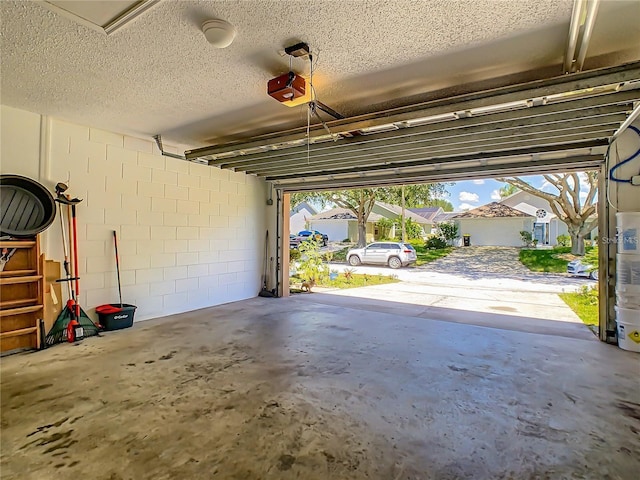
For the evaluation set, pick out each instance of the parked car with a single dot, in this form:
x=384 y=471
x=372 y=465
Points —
x=307 y=234
x=577 y=268
x=394 y=254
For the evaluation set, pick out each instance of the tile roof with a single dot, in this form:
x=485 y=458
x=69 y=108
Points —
x=492 y=210
x=342 y=214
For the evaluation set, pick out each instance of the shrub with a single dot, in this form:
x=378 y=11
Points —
x=434 y=242
x=563 y=240
x=294 y=254
x=348 y=274
x=527 y=238
x=384 y=227
x=311 y=266
x=449 y=231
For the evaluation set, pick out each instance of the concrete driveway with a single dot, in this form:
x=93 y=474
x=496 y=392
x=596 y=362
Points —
x=485 y=280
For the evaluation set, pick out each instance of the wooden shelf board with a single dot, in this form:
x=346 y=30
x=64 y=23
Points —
x=16 y=333
x=17 y=243
x=17 y=273
x=21 y=302
x=20 y=310
x=15 y=280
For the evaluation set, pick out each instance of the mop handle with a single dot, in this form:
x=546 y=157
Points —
x=115 y=244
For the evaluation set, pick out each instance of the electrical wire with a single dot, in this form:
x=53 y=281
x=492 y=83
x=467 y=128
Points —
x=620 y=164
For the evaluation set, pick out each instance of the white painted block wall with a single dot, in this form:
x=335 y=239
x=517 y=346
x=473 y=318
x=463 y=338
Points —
x=190 y=236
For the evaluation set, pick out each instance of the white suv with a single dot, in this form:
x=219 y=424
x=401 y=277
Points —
x=394 y=254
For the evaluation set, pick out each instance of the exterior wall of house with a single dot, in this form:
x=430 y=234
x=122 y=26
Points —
x=499 y=232
x=336 y=230
x=524 y=197
x=556 y=228
x=298 y=221
x=424 y=223
x=189 y=235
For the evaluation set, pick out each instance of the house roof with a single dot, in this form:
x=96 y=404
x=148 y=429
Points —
x=445 y=217
x=397 y=210
x=493 y=210
x=303 y=205
x=430 y=213
x=342 y=214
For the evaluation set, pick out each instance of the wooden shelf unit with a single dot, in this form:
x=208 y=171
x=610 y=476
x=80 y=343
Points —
x=21 y=296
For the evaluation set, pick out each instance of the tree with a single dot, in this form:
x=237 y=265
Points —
x=360 y=202
x=446 y=205
x=507 y=190
x=449 y=231
x=567 y=204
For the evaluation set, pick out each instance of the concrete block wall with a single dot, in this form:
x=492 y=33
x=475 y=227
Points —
x=189 y=235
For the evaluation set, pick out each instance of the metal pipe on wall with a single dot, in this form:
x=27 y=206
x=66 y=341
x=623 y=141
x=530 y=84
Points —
x=574 y=29
x=589 y=22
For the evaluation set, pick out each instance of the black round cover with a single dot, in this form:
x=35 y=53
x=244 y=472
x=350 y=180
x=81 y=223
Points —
x=26 y=207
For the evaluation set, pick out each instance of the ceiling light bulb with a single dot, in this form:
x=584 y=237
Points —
x=219 y=33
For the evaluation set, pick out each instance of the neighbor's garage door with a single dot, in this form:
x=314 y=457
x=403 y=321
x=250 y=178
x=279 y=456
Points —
x=336 y=230
x=498 y=232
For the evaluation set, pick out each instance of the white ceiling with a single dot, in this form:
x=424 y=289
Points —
x=158 y=74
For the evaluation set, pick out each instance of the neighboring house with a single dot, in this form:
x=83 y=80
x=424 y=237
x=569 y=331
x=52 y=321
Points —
x=429 y=214
x=394 y=212
x=341 y=224
x=494 y=224
x=299 y=216
x=434 y=215
x=547 y=226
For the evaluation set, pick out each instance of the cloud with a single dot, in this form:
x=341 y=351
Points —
x=495 y=195
x=479 y=182
x=465 y=206
x=468 y=197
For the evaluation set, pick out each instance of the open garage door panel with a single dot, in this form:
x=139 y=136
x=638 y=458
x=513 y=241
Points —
x=560 y=124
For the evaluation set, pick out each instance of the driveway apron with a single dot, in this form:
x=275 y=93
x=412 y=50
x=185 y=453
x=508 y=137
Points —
x=488 y=280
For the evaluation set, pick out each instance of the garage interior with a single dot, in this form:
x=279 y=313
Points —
x=176 y=145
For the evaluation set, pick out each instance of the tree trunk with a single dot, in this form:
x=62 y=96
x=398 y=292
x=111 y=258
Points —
x=362 y=233
x=577 y=242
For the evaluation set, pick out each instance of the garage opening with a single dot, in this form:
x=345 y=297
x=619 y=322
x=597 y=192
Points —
x=503 y=258
x=564 y=124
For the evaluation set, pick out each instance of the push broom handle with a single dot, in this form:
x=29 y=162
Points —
x=115 y=244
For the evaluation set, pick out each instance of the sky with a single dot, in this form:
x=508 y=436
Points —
x=470 y=194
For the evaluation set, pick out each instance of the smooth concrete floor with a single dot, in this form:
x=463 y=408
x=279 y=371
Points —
x=303 y=388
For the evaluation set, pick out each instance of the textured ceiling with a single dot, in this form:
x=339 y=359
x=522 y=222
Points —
x=159 y=74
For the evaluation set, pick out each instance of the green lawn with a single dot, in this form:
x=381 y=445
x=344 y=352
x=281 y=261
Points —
x=348 y=279
x=554 y=260
x=425 y=256
x=584 y=303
